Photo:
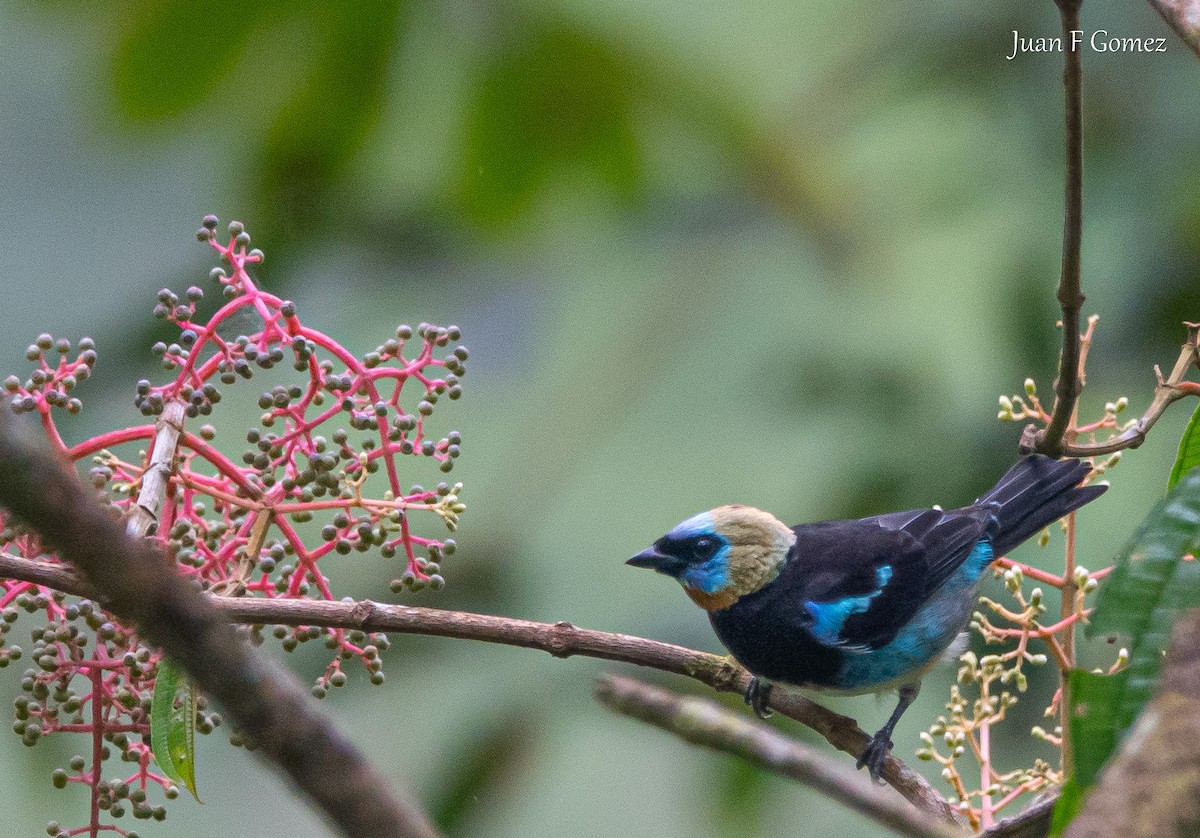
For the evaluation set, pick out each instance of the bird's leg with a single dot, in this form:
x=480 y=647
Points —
x=877 y=749
x=757 y=695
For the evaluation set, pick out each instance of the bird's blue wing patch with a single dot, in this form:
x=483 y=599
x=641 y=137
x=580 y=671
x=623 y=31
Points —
x=828 y=618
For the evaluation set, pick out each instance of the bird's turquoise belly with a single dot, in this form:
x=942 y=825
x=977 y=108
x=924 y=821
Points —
x=919 y=644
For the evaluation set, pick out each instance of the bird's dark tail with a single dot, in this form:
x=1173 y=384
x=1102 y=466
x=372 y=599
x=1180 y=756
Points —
x=1035 y=493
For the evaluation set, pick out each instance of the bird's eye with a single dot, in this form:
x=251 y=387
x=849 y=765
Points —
x=704 y=548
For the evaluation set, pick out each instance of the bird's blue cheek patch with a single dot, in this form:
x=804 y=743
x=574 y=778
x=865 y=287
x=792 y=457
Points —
x=711 y=576
x=829 y=617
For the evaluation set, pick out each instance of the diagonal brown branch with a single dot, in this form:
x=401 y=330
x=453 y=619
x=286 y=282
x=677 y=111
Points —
x=703 y=722
x=1184 y=17
x=561 y=639
x=1033 y=822
x=139 y=584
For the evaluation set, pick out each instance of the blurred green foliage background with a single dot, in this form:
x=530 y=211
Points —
x=777 y=253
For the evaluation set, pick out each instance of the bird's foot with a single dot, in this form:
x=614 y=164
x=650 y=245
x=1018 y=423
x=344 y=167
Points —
x=757 y=696
x=875 y=753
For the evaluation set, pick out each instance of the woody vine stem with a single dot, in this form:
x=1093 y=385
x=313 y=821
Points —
x=1070 y=295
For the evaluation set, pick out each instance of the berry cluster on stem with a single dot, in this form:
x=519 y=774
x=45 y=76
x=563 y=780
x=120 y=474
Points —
x=319 y=474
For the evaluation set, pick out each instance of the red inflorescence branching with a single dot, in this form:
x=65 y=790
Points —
x=319 y=473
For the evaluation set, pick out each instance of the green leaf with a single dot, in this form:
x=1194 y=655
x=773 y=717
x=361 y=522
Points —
x=487 y=758
x=1095 y=732
x=202 y=53
x=1150 y=585
x=1067 y=807
x=1095 y=728
x=173 y=724
x=738 y=798
x=326 y=120
x=557 y=102
x=1188 y=457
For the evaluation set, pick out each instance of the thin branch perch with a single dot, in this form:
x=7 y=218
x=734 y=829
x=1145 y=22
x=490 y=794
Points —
x=561 y=639
x=703 y=722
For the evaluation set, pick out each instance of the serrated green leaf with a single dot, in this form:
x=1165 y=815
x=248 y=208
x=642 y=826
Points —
x=173 y=724
x=1188 y=457
x=1151 y=584
x=1095 y=730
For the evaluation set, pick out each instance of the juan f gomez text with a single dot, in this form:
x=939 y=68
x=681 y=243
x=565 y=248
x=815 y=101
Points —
x=1098 y=41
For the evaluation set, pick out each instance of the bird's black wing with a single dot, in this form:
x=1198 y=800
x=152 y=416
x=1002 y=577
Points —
x=857 y=583
x=947 y=537
x=860 y=581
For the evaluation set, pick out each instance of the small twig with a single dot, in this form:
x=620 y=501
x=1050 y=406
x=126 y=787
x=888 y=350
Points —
x=703 y=722
x=1069 y=605
x=1070 y=294
x=561 y=639
x=157 y=475
x=1166 y=392
x=235 y=585
x=1034 y=573
x=138 y=583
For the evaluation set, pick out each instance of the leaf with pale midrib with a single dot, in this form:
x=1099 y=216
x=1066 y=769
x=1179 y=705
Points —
x=173 y=725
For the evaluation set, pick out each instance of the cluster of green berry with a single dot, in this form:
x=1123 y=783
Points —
x=319 y=473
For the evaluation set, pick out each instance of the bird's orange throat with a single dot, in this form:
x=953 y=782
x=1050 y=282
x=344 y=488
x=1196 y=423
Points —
x=711 y=602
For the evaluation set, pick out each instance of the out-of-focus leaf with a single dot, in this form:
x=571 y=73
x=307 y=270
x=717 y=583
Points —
x=325 y=122
x=1149 y=586
x=486 y=761
x=1184 y=18
x=1095 y=727
x=174 y=53
x=173 y=724
x=553 y=100
x=740 y=796
x=1189 y=451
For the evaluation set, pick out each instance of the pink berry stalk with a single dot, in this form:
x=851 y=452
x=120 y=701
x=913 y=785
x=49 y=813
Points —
x=320 y=473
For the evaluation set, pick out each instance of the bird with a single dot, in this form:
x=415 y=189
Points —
x=857 y=606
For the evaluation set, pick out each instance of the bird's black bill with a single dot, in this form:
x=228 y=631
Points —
x=649 y=558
